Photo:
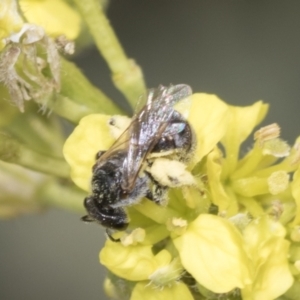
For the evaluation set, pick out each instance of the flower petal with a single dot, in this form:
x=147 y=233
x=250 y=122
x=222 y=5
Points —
x=177 y=291
x=90 y=136
x=242 y=122
x=274 y=277
x=212 y=250
x=268 y=251
x=218 y=193
x=133 y=263
x=208 y=117
x=56 y=16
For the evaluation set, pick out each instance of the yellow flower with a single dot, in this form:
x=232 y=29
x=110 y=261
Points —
x=224 y=226
x=133 y=262
x=90 y=136
x=209 y=117
x=56 y=16
x=211 y=250
x=137 y=263
x=268 y=252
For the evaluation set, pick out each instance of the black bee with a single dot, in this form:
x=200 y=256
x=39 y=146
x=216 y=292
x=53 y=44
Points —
x=119 y=176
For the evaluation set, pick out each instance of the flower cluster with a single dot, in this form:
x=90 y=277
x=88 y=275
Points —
x=227 y=234
x=230 y=231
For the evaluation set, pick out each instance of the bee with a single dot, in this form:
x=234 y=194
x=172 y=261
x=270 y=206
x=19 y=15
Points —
x=120 y=177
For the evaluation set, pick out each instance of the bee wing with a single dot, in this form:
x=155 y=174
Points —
x=147 y=127
x=120 y=144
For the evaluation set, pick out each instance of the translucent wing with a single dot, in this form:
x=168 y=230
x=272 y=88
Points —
x=147 y=127
x=120 y=144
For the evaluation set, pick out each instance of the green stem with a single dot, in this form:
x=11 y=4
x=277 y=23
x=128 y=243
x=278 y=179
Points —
x=104 y=36
x=126 y=74
x=86 y=98
x=252 y=206
x=155 y=212
x=156 y=233
x=14 y=152
x=286 y=165
x=66 y=108
x=288 y=213
x=43 y=134
x=42 y=163
x=251 y=186
x=55 y=194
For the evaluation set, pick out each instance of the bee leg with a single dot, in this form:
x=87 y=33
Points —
x=149 y=195
x=109 y=233
x=158 y=194
x=87 y=219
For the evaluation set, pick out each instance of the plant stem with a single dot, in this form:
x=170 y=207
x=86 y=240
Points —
x=68 y=109
x=14 y=152
x=42 y=163
x=155 y=212
x=56 y=194
x=126 y=74
x=41 y=133
x=86 y=98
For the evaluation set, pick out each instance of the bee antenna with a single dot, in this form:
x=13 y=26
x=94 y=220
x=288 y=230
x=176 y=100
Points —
x=87 y=219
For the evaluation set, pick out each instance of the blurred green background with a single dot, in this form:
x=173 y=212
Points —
x=242 y=51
